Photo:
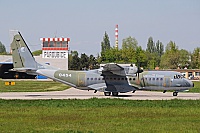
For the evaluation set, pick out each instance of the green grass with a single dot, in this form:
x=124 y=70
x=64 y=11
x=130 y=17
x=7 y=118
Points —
x=100 y=115
x=196 y=87
x=32 y=86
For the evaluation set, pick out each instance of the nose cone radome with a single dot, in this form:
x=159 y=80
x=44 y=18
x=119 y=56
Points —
x=189 y=83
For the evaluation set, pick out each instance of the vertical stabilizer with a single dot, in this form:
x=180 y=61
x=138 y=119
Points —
x=22 y=56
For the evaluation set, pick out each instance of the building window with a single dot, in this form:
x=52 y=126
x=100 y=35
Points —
x=51 y=44
x=58 y=43
x=197 y=73
x=45 y=44
x=64 y=44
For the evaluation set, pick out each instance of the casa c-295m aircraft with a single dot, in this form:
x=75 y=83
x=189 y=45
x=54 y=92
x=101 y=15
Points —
x=112 y=78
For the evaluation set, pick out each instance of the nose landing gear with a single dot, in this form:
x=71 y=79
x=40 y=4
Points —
x=175 y=93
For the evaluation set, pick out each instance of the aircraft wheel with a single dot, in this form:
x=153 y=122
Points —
x=107 y=93
x=115 y=93
x=175 y=93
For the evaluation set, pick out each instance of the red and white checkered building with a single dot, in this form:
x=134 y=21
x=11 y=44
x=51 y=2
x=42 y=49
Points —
x=55 y=47
x=55 y=52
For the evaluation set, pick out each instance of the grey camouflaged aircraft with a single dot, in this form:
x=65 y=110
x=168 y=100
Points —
x=112 y=78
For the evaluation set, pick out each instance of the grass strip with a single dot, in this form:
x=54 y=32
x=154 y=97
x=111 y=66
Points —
x=99 y=115
x=32 y=86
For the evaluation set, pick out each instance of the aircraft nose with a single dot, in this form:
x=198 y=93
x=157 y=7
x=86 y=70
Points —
x=189 y=83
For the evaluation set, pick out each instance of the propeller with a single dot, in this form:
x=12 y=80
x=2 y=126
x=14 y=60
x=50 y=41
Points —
x=139 y=70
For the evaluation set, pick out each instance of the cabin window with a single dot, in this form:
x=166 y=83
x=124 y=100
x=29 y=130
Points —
x=118 y=78
x=157 y=78
x=122 y=78
x=153 y=78
x=133 y=78
x=130 y=79
x=95 y=79
x=91 y=78
x=99 y=78
x=103 y=78
x=149 y=78
x=145 y=78
x=114 y=78
x=161 y=78
x=88 y=78
x=110 y=78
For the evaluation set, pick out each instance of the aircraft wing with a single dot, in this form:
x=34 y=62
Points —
x=114 y=69
x=98 y=87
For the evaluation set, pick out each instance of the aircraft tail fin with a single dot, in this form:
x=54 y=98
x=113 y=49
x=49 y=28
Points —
x=21 y=54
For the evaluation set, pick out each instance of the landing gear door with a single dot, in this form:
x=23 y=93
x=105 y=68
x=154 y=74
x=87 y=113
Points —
x=81 y=79
x=167 y=82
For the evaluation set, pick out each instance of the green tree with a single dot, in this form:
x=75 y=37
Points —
x=195 y=58
x=93 y=63
x=150 y=45
x=2 y=49
x=84 y=62
x=129 y=46
x=184 y=57
x=141 y=57
x=170 y=59
x=151 y=54
x=105 y=46
x=74 y=61
x=159 y=50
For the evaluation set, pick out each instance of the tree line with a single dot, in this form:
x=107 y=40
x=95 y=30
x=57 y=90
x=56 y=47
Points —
x=155 y=55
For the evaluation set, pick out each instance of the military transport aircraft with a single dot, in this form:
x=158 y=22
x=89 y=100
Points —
x=112 y=78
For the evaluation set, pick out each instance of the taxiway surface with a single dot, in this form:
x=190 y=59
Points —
x=73 y=93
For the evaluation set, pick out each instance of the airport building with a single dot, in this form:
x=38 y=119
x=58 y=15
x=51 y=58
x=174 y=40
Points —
x=54 y=53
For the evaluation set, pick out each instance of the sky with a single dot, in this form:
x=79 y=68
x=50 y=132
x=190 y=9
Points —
x=86 y=21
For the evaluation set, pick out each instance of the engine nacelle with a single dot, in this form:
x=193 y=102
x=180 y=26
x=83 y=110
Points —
x=131 y=70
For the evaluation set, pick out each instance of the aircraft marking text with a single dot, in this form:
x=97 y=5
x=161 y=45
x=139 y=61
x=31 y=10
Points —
x=65 y=75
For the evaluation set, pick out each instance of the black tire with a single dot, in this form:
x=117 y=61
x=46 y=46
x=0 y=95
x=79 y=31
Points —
x=107 y=93
x=115 y=93
x=175 y=93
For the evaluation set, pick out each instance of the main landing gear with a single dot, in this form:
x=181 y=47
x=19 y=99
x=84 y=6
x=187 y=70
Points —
x=109 y=93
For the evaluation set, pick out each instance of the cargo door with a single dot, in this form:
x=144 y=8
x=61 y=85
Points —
x=167 y=82
x=81 y=79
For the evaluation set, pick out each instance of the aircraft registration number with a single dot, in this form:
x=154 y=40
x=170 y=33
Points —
x=65 y=75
